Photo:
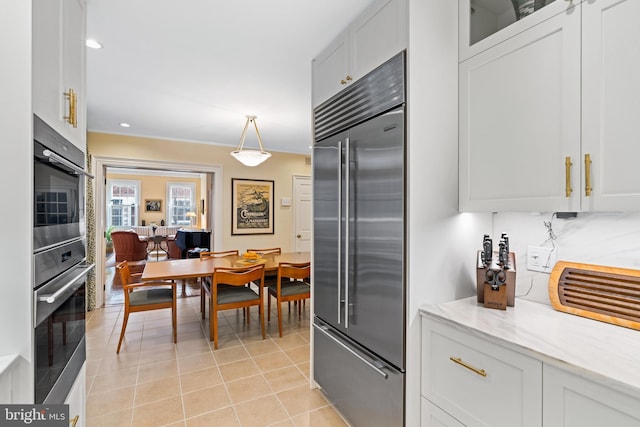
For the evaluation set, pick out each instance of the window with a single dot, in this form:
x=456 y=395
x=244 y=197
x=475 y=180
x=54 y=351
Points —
x=123 y=199
x=181 y=200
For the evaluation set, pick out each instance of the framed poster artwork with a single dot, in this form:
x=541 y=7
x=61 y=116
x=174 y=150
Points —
x=153 y=205
x=252 y=206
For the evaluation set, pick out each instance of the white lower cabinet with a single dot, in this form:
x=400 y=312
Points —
x=470 y=381
x=432 y=416
x=572 y=401
x=76 y=400
x=477 y=382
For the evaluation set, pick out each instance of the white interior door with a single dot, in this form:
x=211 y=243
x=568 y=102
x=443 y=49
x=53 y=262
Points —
x=302 y=193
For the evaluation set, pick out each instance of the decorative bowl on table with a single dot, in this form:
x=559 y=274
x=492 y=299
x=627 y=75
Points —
x=251 y=257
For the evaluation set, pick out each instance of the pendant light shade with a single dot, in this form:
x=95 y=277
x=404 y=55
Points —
x=250 y=157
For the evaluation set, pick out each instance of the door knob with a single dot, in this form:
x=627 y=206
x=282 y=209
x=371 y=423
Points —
x=299 y=236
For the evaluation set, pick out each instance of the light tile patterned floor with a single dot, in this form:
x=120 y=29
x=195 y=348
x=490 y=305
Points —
x=246 y=382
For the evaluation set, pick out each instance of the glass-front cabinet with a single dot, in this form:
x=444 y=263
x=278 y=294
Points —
x=484 y=23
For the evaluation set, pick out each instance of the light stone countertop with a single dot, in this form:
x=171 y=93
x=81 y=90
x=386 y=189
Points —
x=598 y=351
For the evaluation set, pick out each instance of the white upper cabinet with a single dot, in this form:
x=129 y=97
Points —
x=520 y=118
x=330 y=70
x=611 y=104
x=59 y=28
x=547 y=115
x=374 y=37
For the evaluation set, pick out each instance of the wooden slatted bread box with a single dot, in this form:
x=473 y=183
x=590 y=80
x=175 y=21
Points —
x=607 y=294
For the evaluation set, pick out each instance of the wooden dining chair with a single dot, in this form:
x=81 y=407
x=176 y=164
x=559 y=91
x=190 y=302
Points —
x=228 y=290
x=145 y=296
x=266 y=251
x=269 y=279
x=206 y=281
x=291 y=285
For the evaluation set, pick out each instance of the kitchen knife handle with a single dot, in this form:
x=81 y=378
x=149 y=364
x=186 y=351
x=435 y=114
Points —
x=587 y=175
x=567 y=176
x=487 y=248
x=461 y=362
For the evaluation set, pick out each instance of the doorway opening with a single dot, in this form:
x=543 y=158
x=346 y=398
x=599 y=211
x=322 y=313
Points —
x=129 y=192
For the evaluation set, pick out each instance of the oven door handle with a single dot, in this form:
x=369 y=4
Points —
x=54 y=157
x=51 y=298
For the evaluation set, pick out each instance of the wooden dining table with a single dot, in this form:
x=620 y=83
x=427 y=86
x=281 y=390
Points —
x=190 y=268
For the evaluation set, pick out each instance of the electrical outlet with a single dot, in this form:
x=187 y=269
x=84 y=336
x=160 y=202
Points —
x=541 y=258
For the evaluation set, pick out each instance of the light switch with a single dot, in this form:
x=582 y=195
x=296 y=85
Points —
x=285 y=201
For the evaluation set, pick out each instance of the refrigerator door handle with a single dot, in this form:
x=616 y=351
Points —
x=376 y=365
x=339 y=228
x=346 y=231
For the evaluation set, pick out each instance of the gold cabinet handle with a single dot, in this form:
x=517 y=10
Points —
x=460 y=362
x=349 y=78
x=567 y=176
x=587 y=175
x=74 y=110
x=72 y=118
x=74 y=421
x=343 y=82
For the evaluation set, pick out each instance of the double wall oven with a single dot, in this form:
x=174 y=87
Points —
x=59 y=262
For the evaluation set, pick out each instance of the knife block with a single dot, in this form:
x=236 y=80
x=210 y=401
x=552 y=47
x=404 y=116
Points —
x=509 y=286
x=497 y=298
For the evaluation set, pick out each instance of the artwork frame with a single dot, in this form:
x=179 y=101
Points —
x=153 y=205
x=252 y=206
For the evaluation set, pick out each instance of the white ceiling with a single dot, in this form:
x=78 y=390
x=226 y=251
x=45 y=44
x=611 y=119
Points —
x=192 y=70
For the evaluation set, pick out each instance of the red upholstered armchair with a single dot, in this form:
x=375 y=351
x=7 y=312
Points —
x=172 y=248
x=128 y=246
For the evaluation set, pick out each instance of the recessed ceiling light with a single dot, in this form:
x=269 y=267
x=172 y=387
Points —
x=125 y=125
x=93 y=44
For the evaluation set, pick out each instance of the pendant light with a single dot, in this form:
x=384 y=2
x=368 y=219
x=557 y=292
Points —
x=250 y=157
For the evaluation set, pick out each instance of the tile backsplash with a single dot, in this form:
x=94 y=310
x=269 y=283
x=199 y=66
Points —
x=611 y=239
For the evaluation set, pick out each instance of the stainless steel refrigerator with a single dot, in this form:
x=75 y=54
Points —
x=359 y=247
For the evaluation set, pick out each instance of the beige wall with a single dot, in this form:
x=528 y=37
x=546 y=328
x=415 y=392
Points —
x=155 y=187
x=280 y=168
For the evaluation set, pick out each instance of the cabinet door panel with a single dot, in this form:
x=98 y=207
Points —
x=73 y=64
x=432 y=416
x=77 y=399
x=477 y=382
x=571 y=401
x=59 y=64
x=329 y=68
x=520 y=118
x=47 y=61
x=376 y=36
x=611 y=103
